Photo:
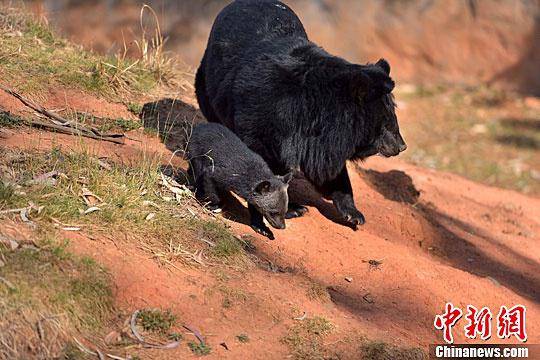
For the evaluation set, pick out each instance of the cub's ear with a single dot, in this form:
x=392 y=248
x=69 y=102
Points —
x=383 y=64
x=287 y=177
x=263 y=187
x=367 y=82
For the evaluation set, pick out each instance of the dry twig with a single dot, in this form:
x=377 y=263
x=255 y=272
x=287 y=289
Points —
x=62 y=125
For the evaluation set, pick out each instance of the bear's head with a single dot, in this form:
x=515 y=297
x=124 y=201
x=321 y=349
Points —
x=374 y=109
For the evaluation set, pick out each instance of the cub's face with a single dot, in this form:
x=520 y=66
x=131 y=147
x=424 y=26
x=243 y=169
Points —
x=270 y=198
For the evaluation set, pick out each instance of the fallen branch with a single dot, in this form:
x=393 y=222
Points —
x=62 y=125
x=196 y=333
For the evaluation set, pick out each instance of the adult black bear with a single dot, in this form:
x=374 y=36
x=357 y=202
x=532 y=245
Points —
x=292 y=102
x=219 y=160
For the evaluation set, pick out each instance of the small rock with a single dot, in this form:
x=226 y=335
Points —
x=348 y=279
x=535 y=174
x=479 y=129
x=150 y=216
x=2 y=264
x=112 y=338
x=13 y=244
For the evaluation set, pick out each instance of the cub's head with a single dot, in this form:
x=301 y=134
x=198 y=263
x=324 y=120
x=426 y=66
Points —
x=371 y=87
x=270 y=198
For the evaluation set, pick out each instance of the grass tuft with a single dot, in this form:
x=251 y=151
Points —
x=377 y=350
x=157 y=320
x=9 y=120
x=305 y=339
x=7 y=193
x=200 y=349
x=243 y=338
x=135 y=108
x=317 y=291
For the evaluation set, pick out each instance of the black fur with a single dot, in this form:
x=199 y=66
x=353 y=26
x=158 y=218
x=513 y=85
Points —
x=292 y=102
x=219 y=160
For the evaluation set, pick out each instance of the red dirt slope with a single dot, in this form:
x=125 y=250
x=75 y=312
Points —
x=439 y=237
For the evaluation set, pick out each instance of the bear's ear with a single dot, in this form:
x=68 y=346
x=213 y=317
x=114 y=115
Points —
x=287 y=177
x=263 y=187
x=381 y=84
x=370 y=82
x=383 y=64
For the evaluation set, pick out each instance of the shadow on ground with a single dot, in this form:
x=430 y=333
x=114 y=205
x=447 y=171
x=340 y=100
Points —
x=525 y=124
x=456 y=249
x=173 y=120
x=520 y=141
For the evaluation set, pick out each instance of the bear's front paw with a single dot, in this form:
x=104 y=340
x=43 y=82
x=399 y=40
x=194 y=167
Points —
x=263 y=230
x=357 y=218
x=353 y=217
x=295 y=210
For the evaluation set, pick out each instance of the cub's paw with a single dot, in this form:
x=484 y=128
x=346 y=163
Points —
x=213 y=207
x=295 y=211
x=263 y=230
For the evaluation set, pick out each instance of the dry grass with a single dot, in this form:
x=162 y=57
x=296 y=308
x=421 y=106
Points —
x=317 y=291
x=47 y=296
x=374 y=350
x=165 y=220
x=484 y=134
x=305 y=339
x=33 y=58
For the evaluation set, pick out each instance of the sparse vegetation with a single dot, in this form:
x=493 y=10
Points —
x=484 y=134
x=174 y=336
x=9 y=120
x=200 y=349
x=226 y=244
x=232 y=296
x=383 y=351
x=243 y=338
x=134 y=108
x=305 y=339
x=105 y=124
x=7 y=193
x=157 y=320
x=51 y=295
x=34 y=58
x=317 y=291
x=118 y=199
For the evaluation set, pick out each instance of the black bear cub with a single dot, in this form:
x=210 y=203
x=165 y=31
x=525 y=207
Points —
x=220 y=161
